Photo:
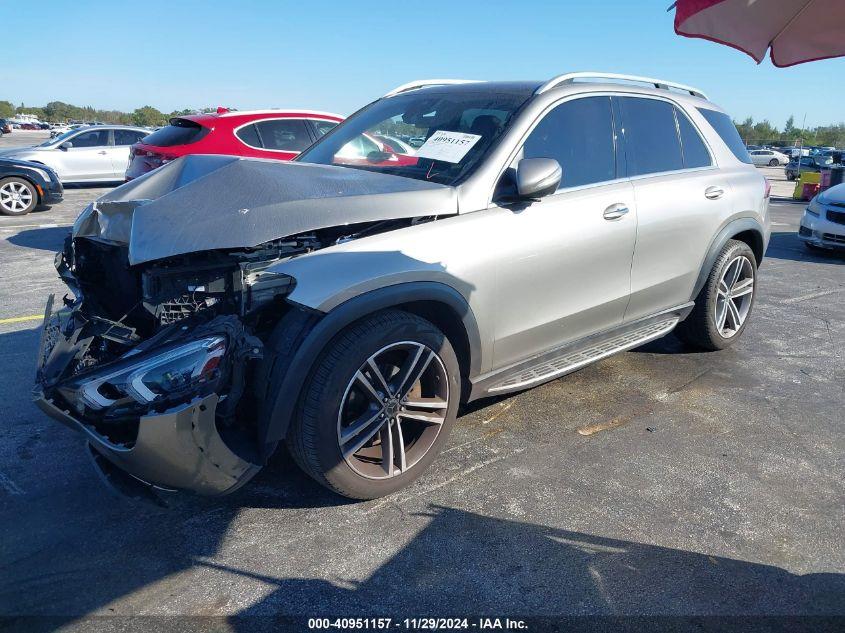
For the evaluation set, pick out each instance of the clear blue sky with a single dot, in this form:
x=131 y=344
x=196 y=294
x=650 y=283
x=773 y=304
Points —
x=337 y=56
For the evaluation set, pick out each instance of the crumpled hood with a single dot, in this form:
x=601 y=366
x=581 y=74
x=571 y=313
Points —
x=199 y=203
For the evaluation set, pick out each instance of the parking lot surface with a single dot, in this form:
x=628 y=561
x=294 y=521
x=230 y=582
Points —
x=660 y=481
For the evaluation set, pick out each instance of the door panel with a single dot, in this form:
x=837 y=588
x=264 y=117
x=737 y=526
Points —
x=119 y=151
x=566 y=271
x=676 y=223
x=681 y=199
x=88 y=158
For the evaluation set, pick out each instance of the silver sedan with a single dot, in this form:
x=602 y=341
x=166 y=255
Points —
x=97 y=153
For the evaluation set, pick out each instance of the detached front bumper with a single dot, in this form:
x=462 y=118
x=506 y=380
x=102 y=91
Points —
x=179 y=449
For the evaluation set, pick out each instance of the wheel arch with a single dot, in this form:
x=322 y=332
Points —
x=747 y=230
x=435 y=301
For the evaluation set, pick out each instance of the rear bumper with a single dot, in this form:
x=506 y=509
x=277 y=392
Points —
x=179 y=449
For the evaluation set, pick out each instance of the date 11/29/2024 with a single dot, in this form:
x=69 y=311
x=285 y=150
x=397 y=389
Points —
x=418 y=624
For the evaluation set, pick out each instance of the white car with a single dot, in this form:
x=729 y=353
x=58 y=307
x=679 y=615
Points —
x=768 y=157
x=98 y=153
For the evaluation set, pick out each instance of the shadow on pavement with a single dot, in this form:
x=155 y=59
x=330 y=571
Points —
x=786 y=245
x=46 y=239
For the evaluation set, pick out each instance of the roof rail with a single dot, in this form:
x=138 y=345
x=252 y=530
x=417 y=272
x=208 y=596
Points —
x=569 y=78
x=421 y=83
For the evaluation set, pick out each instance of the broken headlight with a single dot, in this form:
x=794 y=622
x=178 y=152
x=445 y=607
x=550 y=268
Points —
x=150 y=377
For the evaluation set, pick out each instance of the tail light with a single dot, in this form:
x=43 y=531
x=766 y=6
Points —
x=155 y=159
x=768 y=188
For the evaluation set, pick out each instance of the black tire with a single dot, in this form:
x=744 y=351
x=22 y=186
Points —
x=773 y=162
x=313 y=436
x=18 y=184
x=790 y=176
x=699 y=329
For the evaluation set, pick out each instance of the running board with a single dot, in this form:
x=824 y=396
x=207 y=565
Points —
x=575 y=355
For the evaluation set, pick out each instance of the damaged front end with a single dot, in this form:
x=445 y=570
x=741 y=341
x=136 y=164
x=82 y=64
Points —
x=150 y=362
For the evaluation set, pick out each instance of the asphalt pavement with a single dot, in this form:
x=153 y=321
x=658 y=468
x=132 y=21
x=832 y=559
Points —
x=662 y=481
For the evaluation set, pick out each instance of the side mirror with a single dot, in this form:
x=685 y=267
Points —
x=537 y=177
x=66 y=145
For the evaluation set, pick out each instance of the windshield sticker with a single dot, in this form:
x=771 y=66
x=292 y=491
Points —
x=449 y=147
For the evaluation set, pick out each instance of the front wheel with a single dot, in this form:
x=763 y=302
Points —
x=724 y=304
x=17 y=196
x=378 y=406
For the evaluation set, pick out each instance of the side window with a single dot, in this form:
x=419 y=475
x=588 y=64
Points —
x=694 y=150
x=323 y=127
x=288 y=135
x=127 y=137
x=92 y=138
x=249 y=135
x=579 y=135
x=726 y=129
x=651 y=139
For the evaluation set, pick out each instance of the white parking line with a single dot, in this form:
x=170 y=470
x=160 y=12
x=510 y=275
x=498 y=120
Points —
x=15 y=227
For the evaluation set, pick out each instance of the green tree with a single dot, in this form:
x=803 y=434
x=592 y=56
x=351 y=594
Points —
x=7 y=110
x=148 y=115
x=789 y=128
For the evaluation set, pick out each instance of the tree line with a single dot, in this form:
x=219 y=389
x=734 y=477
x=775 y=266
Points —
x=764 y=133
x=60 y=112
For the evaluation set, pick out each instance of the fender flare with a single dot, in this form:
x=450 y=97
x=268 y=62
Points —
x=734 y=227
x=288 y=381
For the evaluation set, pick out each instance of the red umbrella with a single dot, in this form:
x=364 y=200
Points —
x=796 y=31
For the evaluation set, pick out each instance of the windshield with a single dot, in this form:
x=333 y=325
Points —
x=435 y=136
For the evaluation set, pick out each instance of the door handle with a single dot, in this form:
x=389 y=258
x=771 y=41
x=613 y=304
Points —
x=103 y=152
x=615 y=211
x=713 y=193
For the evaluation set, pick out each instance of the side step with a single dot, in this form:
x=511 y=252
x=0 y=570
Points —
x=567 y=359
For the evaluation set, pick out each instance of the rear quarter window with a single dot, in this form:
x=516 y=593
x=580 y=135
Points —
x=179 y=132
x=726 y=129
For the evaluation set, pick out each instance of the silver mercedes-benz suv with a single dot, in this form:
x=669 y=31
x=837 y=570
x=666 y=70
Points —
x=347 y=303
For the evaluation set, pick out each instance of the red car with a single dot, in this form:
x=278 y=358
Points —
x=279 y=134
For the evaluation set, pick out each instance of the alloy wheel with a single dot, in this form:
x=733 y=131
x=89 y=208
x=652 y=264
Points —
x=392 y=410
x=15 y=197
x=734 y=296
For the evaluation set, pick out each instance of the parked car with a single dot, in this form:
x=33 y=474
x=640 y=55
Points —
x=823 y=223
x=224 y=305
x=278 y=134
x=24 y=186
x=808 y=163
x=30 y=126
x=87 y=154
x=5 y=127
x=768 y=157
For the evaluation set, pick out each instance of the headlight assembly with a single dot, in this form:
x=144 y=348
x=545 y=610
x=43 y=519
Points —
x=148 y=377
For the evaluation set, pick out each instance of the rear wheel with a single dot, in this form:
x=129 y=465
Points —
x=17 y=196
x=378 y=406
x=773 y=162
x=724 y=304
